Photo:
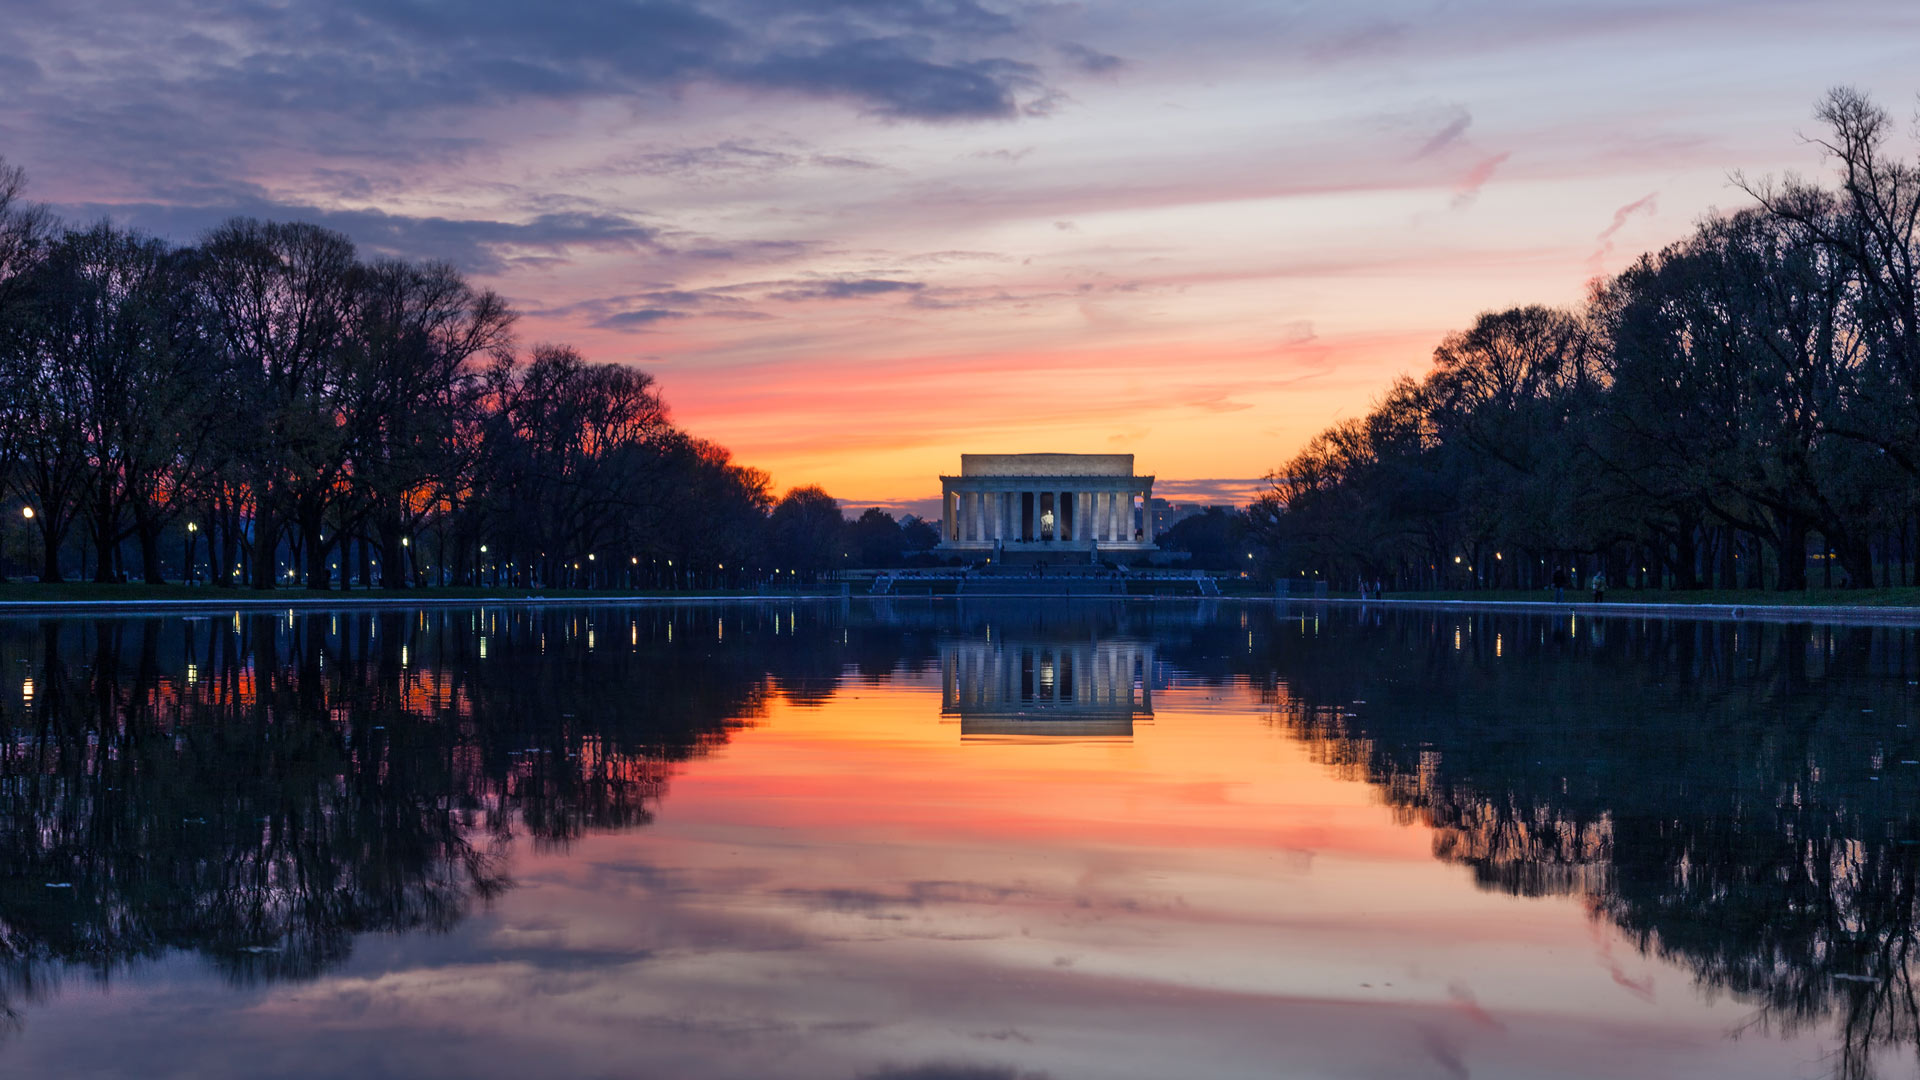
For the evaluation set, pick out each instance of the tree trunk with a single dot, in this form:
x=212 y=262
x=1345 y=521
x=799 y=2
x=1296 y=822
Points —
x=319 y=571
x=50 y=554
x=148 y=528
x=1792 y=545
x=319 y=578
x=222 y=574
x=105 y=539
x=1686 y=558
x=1856 y=558
x=393 y=567
x=265 y=546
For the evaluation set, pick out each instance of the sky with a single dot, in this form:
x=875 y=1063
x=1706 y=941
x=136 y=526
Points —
x=853 y=239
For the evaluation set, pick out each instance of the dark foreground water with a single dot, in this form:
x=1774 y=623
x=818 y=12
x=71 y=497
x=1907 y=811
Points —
x=929 y=841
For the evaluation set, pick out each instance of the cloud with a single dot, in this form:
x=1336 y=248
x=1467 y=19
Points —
x=946 y=1071
x=1364 y=41
x=201 y=92
x=628 y=320
x=1211 y=491
x=734 y=155
x=1648 y=204
x=890 y=77
x=637 y=312
x=1218 y=401
x=1011 y=157
x=847 y=289
x=1091 y=61
x=1296 y=333
x=1476 y=178
x=1446 y=136
x=480 y=245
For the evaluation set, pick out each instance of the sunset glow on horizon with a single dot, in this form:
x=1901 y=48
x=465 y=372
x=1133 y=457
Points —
x=853 y=241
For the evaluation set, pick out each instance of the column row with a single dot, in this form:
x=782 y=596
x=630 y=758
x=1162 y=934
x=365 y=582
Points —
x=1104 y=516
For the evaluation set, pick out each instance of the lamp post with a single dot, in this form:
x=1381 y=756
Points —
x=186 y=557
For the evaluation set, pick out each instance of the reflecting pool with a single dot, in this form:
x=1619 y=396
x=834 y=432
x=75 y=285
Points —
x=939 y=840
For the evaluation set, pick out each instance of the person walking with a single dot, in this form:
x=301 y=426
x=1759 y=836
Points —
x=1559 y=586
x=1599 y=584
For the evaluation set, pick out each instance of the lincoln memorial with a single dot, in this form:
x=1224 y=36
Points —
x=1046 y=503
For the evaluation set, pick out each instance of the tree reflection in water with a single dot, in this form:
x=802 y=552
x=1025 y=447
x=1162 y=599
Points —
x=260 y=789
x=1743 y=800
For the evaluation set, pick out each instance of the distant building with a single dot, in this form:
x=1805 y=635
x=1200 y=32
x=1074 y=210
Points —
x=1046 y=503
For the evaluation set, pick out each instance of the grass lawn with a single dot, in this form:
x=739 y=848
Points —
x=1901 y=596
x=16 y=592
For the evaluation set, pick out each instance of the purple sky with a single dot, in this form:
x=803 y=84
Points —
x=855 y=239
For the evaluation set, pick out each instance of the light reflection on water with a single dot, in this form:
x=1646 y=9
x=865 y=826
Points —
x=966 y=842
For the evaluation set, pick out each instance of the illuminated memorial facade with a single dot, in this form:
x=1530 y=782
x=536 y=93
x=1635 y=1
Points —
x=1046 y=503
x=1072 y=688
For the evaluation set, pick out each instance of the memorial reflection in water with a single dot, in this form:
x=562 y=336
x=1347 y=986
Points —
x=1036 y=687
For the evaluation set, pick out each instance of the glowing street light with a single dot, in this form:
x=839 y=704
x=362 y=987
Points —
x=27 y=512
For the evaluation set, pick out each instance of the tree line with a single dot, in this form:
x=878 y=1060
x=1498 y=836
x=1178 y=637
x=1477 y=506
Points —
x=281 y=411
x=1724 y=413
